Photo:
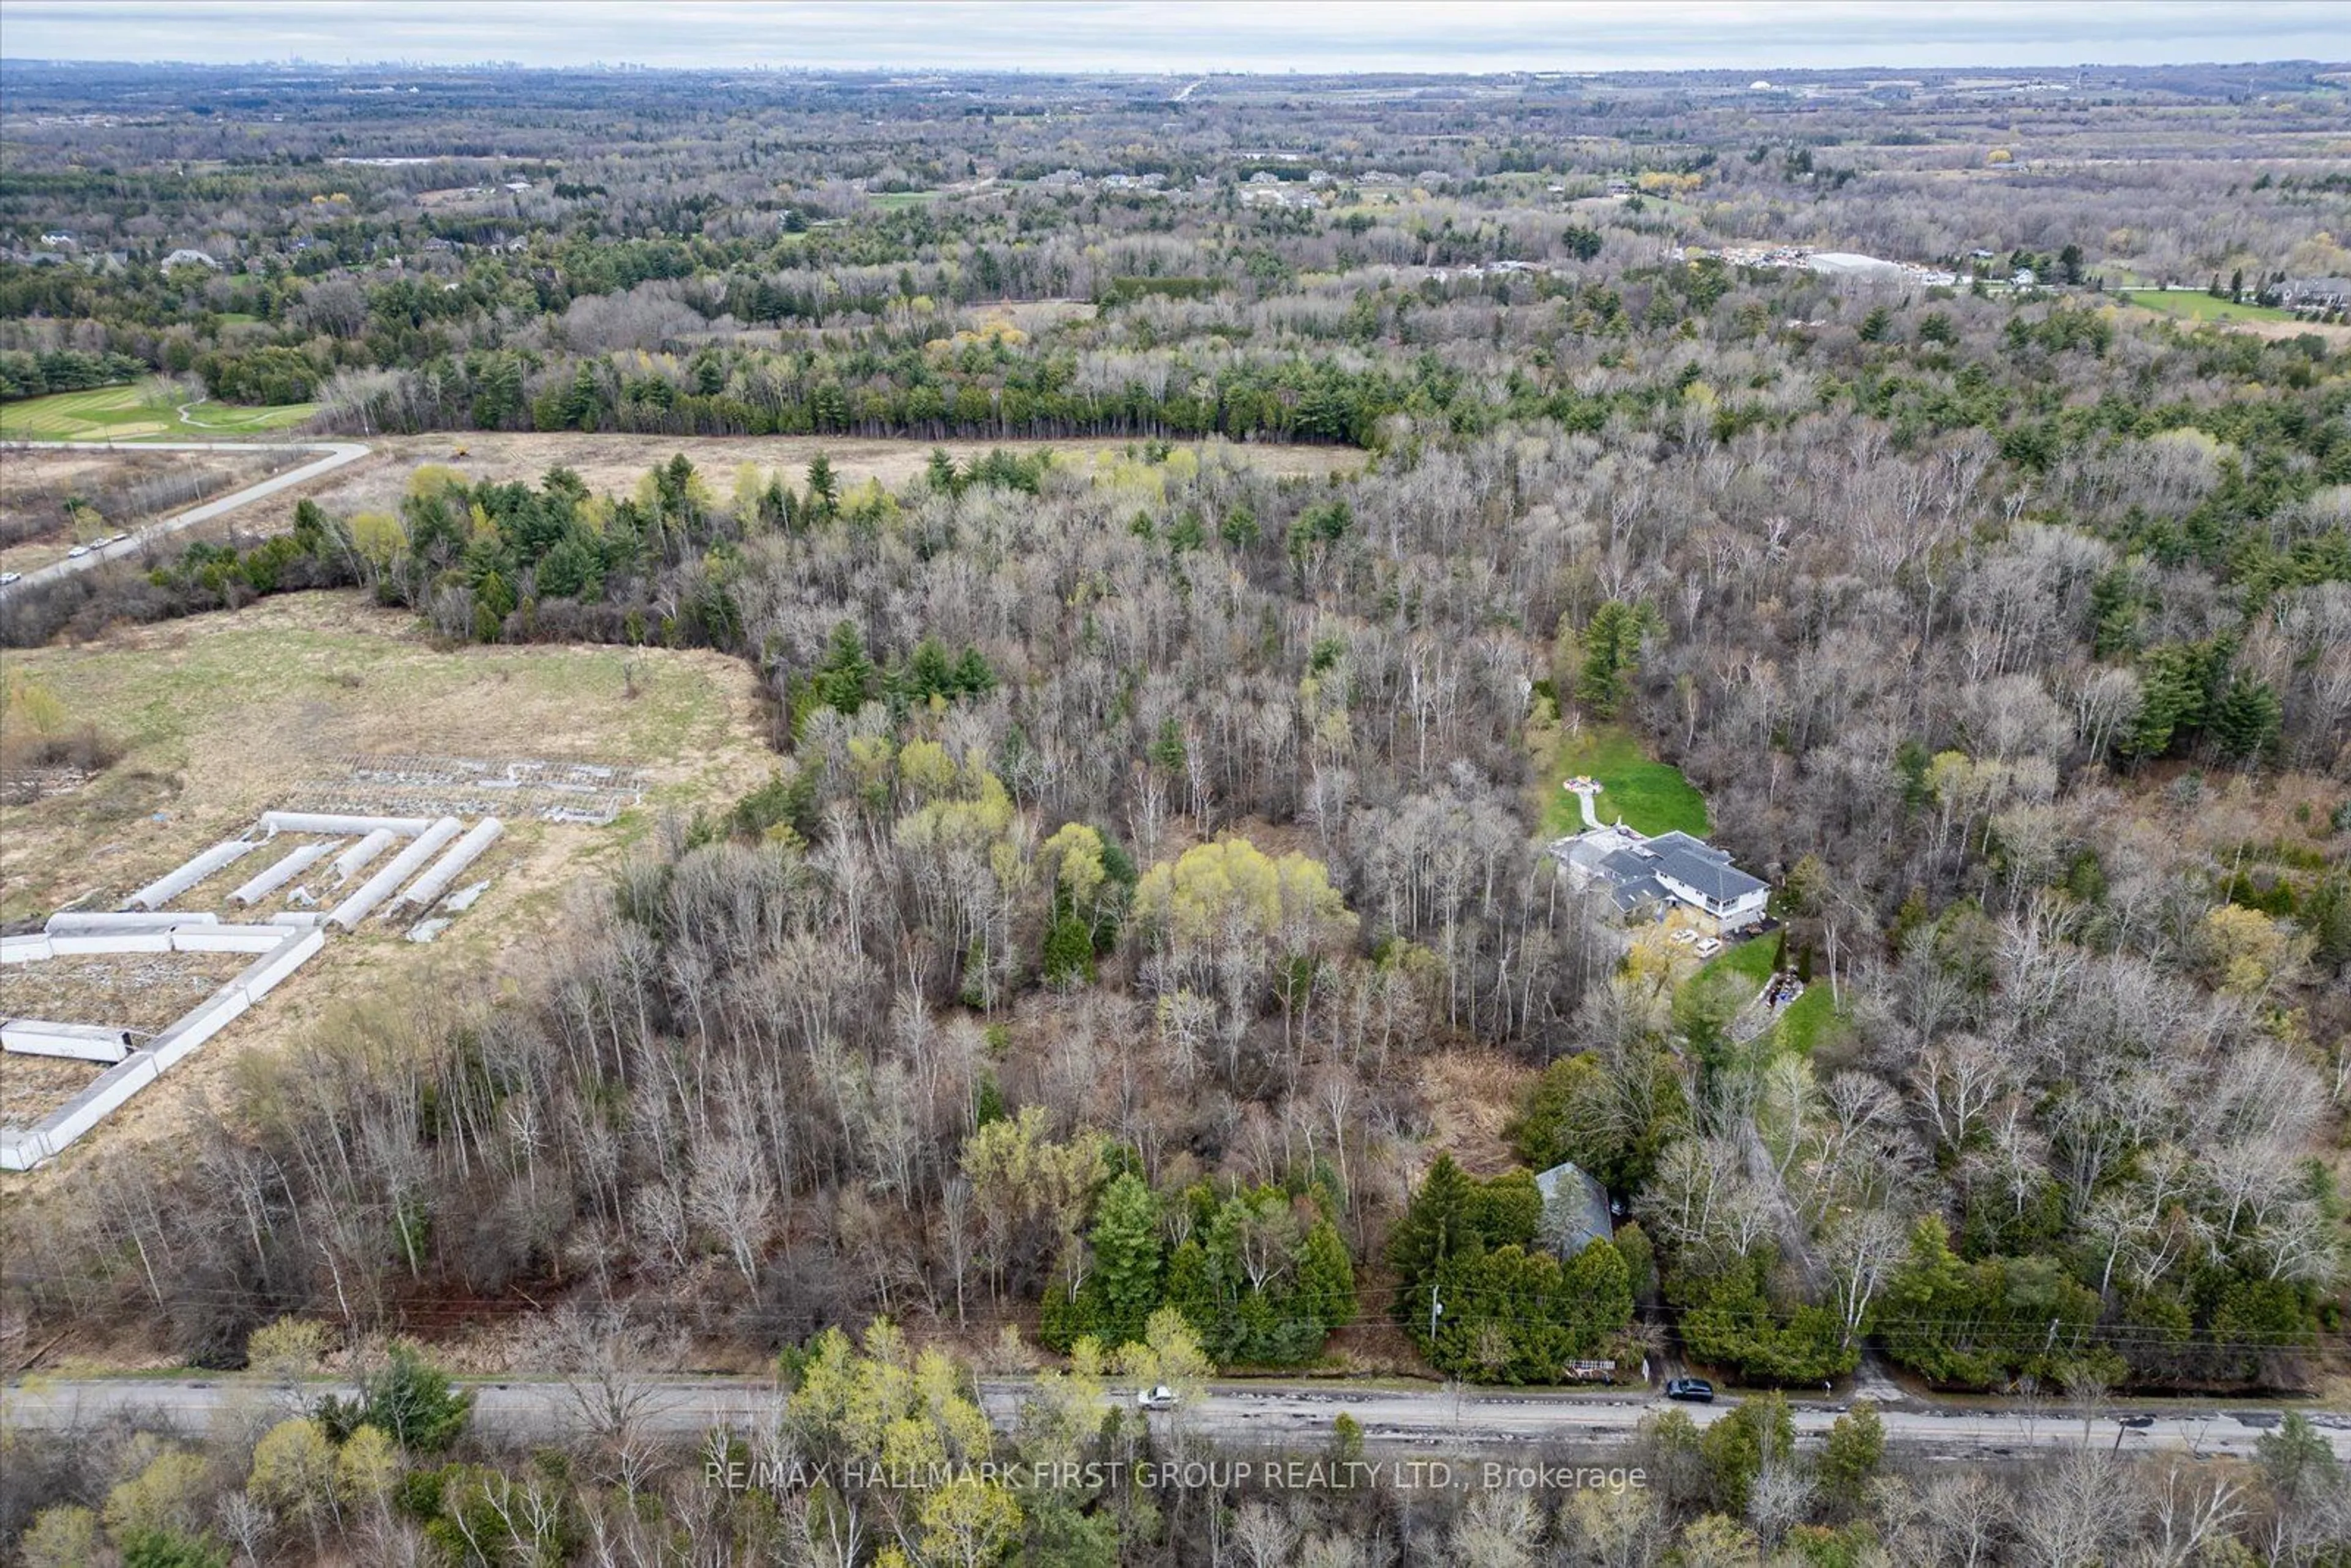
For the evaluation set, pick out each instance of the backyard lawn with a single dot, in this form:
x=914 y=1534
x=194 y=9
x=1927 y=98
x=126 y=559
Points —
x=1803 y=1023
x=1648 y=797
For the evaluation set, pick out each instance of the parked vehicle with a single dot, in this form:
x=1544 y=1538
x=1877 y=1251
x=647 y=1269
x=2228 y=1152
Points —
x=8 y=577
x=1693 y=1390
x=1157 y=1397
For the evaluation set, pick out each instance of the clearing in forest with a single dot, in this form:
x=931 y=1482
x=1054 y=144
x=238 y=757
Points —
x=221 y=716
x=1647 y=796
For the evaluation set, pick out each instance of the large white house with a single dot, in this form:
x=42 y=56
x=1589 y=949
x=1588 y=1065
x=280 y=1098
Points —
x=1647 y=876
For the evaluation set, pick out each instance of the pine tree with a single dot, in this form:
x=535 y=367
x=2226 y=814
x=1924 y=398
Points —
x=1326 y=1278
x=2245 y=718
x=1436 y=1226
x=846 y=677
x=1126 y=1275
x=823 y=488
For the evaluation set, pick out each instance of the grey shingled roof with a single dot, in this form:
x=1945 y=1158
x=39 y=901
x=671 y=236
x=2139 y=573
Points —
x=1696 y=864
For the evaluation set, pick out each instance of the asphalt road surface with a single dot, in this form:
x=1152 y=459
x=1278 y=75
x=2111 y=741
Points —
x=335 y=453
x=1436 y=1422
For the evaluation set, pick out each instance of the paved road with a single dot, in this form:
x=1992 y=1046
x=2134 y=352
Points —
x=1432 y=1422
x=335 y=453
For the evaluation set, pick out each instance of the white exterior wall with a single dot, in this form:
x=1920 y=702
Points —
x=1748 y=910
x=284 y=871
x=428 y=888
x=1743 y=910
x=377 y=888
x=164 y=889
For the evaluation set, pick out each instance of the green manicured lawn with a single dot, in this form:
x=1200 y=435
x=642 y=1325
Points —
x=2198 y=306
x=1805 y=1022
x=1750 y=959
x=890 y=201
x=146 y=412
x=1648 y=797
x=1809 y=1020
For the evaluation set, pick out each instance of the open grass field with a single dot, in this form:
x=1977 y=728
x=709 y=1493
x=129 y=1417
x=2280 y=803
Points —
x=1646 y=796
x=222 y=717
x=1809 y=1020
x=2195 y=305
x=147 y=412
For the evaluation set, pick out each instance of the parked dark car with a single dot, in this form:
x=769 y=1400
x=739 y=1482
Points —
x=1697 y=1390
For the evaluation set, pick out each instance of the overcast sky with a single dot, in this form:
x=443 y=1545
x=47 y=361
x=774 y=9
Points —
x=1180 y=36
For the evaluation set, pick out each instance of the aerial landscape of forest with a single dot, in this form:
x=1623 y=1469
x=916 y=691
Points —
x=1127 y=800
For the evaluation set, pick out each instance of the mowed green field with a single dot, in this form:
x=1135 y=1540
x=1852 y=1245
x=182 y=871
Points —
x=2197 y=306
x=142 y=413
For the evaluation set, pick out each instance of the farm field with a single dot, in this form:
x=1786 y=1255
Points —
x=1646 y=796
x=150 y=410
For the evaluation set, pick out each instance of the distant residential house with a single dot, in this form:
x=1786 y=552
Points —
x=2315 y=294
x=1574 y=1209
x=186 y=258
x=1645 y=877
x=61 y=240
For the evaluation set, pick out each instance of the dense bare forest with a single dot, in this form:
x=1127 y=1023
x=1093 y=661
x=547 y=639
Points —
x=1155 y=845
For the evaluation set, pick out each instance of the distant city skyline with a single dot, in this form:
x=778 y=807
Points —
x=1221 y=35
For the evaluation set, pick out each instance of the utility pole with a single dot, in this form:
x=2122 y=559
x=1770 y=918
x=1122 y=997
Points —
x=1436 y=1310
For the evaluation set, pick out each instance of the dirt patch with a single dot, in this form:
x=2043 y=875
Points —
x=32 y=1087
x=143 y=993
x=1473 y=1096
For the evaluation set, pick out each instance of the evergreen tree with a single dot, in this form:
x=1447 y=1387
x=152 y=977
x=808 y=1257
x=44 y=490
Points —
x=845 y=679
x=823 y=489
x=1126 y=1273
x=2245 y=718
x=1612 y=655
x=1326 y=1278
